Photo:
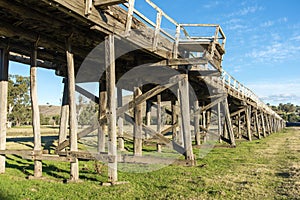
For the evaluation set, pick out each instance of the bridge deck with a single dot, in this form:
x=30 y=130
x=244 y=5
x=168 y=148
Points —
x=105 y=38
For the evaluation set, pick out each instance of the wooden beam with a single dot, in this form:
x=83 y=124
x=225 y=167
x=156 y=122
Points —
x=185 y=117
x=111 y=105
x=187 y=61
x=120 y=121
x=74 y=174
x=102 y=113
x=149 y=94
x=219 y=120
x=35 y=111
x=174 y=120
x=138 y=141
x=87 y=94
x=129 y=17
x=64 y=114
x=257 y=125
x=239 y=126
x=148 y=114
x=248 y=122
x=105 y=3
x=3 y=103
x=212 y=104
x=196 y=124
x=228 y=123
x=159 y=120
x=238 y=112
x=157 y=29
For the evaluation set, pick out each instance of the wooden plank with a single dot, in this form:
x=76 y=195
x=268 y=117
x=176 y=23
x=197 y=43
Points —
x=105 y=3
x=49 y=158
x=101 y=114
x=35 y=111
x=111 y=105
x=138 y=141
x=185 y=117
x=196 y=124
x=74 y=173
x=4 y=54
x=120 y=121
x=64 y=114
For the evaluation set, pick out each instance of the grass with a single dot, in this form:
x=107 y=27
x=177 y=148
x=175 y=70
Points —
x=261 y=169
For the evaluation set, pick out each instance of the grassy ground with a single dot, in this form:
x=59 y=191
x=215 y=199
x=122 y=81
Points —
x=265 y=169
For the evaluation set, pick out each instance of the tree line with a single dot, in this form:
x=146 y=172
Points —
x=289 y=112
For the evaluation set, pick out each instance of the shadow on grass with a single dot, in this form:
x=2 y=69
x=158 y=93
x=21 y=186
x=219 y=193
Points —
x=6 y=196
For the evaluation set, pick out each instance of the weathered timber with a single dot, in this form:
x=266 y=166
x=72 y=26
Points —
x=74 y=174
x=64 y=114
x=3 y=103
x=196 y=124
x=120 y=121
x=111 y=105
x=138 y=141
x=35 y=111
x=102 y=113
x=228 y=123
x=159 y=120
x=185 y=117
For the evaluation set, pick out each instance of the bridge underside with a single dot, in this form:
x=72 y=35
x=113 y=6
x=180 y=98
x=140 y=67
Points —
x=111 y=46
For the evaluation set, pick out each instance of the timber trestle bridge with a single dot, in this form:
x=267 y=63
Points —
x=130 y=52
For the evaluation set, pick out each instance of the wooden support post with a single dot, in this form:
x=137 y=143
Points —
x=4 y=56
x=102 y=129
x=159 y=120
x=257 y=125
x=120 y=121
x=185 y=117
x=64 y=114
x=228 y=123
x=196 y=124
x=148 y=115
x=239 y=126
x=174 y=120
x=74 y=175
x=157 y=30
x=204 y=126
x=263 y=124
x=219 y=121
x=268 y=124
x=180 y=130
x=248 y=123
x=138 y=142
x=35 y=111
x=111 y=106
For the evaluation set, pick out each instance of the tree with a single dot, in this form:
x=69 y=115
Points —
x=19 y=109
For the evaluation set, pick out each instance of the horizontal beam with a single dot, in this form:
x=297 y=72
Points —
x=105 y=3
x=186 y=61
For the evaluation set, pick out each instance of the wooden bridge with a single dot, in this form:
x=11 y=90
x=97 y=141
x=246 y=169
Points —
x=60 y=34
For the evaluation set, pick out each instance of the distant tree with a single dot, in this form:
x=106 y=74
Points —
x=19 y=109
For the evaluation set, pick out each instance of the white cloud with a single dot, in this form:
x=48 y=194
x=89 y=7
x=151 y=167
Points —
x=280 y=92
x=267 y=24
x=211 y=4
x=245 y=11
x=276 y=52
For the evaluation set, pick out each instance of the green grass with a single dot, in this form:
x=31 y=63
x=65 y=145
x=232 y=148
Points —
x=264 y=169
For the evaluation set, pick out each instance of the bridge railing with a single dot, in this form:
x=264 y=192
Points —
x=244 y=92
x=175 y=32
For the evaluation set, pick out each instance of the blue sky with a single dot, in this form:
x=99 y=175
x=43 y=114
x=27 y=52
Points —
x=262 y=49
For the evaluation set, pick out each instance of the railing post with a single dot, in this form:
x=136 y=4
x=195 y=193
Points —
x=157 y=29
x=129 y=18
